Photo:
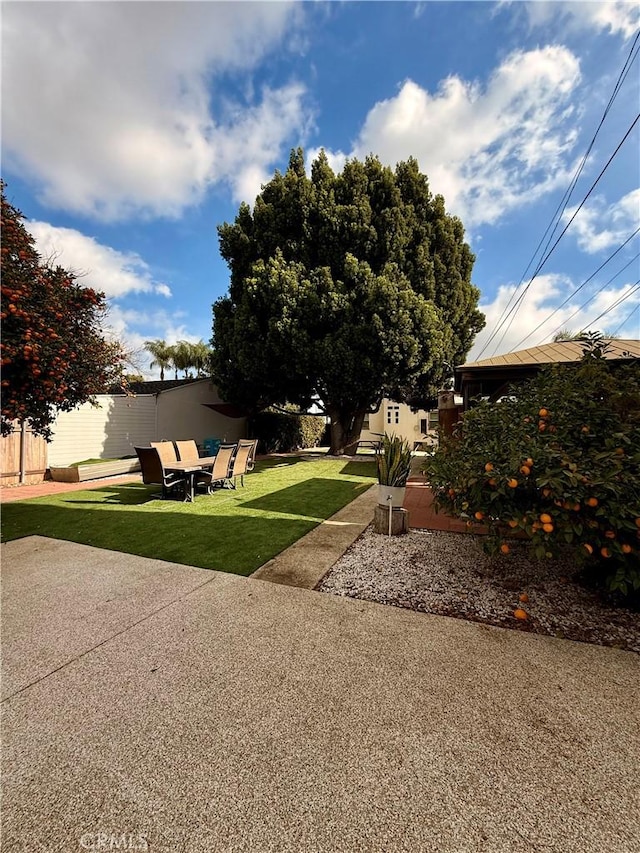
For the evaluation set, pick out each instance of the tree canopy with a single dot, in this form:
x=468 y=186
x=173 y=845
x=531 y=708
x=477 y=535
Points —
x=54 y=355
x=345 y=288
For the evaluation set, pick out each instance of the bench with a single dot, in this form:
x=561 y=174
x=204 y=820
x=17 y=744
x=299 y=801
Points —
x=369 y=443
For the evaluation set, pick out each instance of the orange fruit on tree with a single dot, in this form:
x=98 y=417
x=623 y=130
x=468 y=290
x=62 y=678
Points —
x=512 y=483
x=626 y=549
x=512 y=523
x=542 y=426
x=492 y=481
x=548 y=528
x=619 y=451
x=609 y=534
x=524 y=469
x=488 y=467
x=529 y=462
x=543 y=413
x=588 y=548
x=605 y=552
x=585 y=429
x=546 y=492
x=523 y=597
x=637 y=522
x=479 y=515
x=504 y=548
x=594 y=502
x=520 y=614
x=545 y=518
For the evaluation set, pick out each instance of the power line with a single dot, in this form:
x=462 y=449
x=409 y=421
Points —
x=597 y=293
x=631 y=57
x=565 y=229
x=627 y=318
x=584 y=283
x=634 y=288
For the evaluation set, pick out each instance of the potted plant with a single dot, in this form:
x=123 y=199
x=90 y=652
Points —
x=393 y=462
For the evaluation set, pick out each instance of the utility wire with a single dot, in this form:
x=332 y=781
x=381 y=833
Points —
x=597 y=293
x=584 y=283
x=626 y=319
x=634 y=288
x=631 y=57
x=564 y=231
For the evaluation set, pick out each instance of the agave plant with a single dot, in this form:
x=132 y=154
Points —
x=393 y=461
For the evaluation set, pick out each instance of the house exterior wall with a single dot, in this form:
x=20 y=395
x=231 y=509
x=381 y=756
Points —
x=122 y=423
x=108 y=432
x=183 y=414
x=399 y=419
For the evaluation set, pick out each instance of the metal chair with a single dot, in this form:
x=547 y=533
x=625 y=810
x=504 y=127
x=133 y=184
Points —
x=239 y=466
x=166 y=451
x=153 y=473
x=221 y=470
x=187 y=451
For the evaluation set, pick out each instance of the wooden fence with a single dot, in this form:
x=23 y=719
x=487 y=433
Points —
x=22 y=451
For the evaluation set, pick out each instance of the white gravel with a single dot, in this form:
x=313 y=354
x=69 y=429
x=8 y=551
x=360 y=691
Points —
x=449 y=574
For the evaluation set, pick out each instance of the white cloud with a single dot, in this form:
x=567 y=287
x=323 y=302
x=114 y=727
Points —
x=598 y=227
x=487 y=149
x=537 y=306
x=100 y=267
x=615 y=16
x=108 y=107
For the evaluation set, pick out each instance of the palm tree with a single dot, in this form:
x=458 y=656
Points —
x=162 y=355
x=201 y=355
x=183 y=357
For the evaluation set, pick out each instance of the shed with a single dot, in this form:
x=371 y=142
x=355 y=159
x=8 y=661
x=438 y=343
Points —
x=492 y=377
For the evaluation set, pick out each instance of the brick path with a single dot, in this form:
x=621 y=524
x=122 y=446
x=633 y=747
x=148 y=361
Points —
x=50 y=487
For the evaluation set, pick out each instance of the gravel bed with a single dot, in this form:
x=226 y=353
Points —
x=448 y=574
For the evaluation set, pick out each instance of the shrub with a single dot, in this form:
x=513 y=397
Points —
x=393 y=461
x=559 y=460
x=285 y=432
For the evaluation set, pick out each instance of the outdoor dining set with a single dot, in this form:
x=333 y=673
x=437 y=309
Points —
x=179 y=469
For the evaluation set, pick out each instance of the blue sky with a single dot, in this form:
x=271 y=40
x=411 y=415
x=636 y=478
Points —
x=131 y=130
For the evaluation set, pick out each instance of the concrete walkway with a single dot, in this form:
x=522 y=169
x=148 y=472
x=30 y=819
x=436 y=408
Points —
x=207 y=712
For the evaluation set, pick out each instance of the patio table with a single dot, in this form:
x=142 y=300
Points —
x=190 y=468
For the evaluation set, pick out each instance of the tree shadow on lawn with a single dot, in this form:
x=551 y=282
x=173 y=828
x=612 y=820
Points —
x=236 y=544
x=315 y=498
x=360 y=469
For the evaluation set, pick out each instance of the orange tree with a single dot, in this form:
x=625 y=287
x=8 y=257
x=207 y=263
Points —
x=557 y=460
x=53 y=354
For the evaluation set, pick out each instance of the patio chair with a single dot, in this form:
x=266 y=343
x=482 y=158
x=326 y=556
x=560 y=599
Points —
x=222 y=466
x=240 y=463
x=153 y=473
x=251 y=461
x=187 y=451
x=166 y=451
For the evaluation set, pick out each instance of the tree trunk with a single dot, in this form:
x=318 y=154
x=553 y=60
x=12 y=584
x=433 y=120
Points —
x=345 y=428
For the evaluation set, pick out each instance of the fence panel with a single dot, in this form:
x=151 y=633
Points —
x=35 y=457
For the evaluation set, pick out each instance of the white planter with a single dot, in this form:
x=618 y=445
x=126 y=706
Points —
x=391 y=495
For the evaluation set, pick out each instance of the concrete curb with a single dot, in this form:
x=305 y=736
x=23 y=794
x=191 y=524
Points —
x=307 y=561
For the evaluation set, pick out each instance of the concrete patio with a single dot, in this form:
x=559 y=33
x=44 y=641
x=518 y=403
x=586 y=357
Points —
x=188 y=710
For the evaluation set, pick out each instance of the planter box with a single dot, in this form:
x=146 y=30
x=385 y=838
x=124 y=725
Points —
x=391 y=495
x=80 y=473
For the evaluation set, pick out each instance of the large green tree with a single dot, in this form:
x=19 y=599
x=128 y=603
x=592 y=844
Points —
x=344 y=288
x=54 y=355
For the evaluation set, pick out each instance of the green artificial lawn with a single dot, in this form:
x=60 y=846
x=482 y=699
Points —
x=232 y=530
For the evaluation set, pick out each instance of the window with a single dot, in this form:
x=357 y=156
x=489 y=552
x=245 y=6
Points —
x=393 y=415
x=365 y=422
x=423 y=426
